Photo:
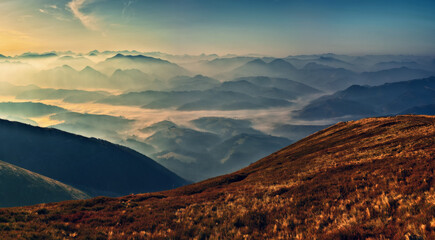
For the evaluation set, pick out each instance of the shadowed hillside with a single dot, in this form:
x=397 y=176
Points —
x=95 y=166
x=20 y=187
x=371 y=178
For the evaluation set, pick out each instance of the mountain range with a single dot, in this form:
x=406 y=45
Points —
x=240 y=102
x=218 y=146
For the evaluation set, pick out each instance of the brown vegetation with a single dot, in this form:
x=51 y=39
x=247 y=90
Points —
x=366 y=179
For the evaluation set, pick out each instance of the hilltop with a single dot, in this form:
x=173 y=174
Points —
x=371 y=178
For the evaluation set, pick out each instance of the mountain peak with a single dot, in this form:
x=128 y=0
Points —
x=256 y=62
x=66 y=67
x=281 y=63
x=119 y=55
x=136 y=57
x=88 y=69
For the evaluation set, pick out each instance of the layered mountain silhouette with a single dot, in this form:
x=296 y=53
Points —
x=357 y=101
x=20 y=187
x=132 y=79
x=396 y=64
x=241 y=150
x=320 y=76
x=225 y=127
x=217 y=145
x=152 y=66
x=219 y=65
x=186 y=83
x=247 y=86
x=354 y=180
x=91 y=125
x=329 y=72
x=241 y=93
x=28 y=109
x=37 y=55
x=394 y=75
x=67 y=95
x=94 y=166
x=213 y=99
x=258 y=67
x=10 y=89
x=77 y=62
x=67 y=77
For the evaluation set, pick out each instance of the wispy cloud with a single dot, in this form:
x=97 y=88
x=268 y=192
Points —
x=55 y=12
x=127 y=5
x=87 y=20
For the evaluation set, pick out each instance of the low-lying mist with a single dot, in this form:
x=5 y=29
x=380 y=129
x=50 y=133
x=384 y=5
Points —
x=201 y=116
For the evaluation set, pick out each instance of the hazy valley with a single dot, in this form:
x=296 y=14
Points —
x=203 y=116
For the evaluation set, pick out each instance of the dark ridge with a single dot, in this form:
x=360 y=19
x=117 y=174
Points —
x=95 y=166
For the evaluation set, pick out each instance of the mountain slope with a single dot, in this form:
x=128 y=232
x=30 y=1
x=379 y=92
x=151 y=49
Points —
x=394 y=75
x=389 y=98
x=21 y=187
x=371 y=178
x=92 y=165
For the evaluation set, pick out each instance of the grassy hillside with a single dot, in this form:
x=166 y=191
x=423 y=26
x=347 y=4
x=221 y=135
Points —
x=21 y=187
x=371 y=178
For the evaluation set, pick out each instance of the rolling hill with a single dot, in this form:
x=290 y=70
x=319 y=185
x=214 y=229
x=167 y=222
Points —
x=94 y=166
x=371 y=178
x=20 y=187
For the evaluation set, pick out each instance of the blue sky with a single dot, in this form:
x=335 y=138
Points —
x=271 y=27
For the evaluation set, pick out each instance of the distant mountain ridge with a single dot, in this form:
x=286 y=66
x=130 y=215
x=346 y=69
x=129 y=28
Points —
x=155 y=67
x=389 y=98
x=141 y=58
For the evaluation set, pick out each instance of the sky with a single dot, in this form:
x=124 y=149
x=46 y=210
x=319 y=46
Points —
x=269 y=27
